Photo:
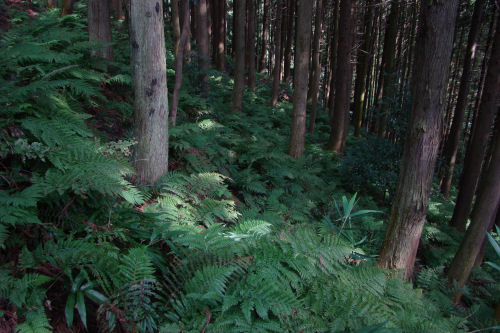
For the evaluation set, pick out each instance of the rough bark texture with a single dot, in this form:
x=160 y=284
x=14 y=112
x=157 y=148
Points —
x=333 y=57
x=251 y=43
x=477 y=147
x=434 y=46
x=219 y=33
x=239 y=51
x=265 y=36
x=300 y=77
x=362 y=70
x=202 y=39
x=179 y=61
x=277 y=55
x=118 y=9
x=67 y=7
x=452 y=143
x=388 y=68
x=343 y=74
x=316 y=65
x=147 y=56
x=482 y=217
x=100 y=28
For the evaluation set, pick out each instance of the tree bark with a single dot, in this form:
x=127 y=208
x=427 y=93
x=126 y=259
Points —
x=176 y=25
x=67 y=7
x=265 y=36
x=483 y=215
x=202 y=41
x=387 y=69
x=479 y=141
x=343 y=78
x=251 y=43
x=179 y=61
x=316 y=65
x=118 y=9
x=300 y=77
x=362 y=70
x=147 y=55
x=451 y=146
x=434 y=45
x=277 y=55
x=100 y=28
x=289 y=39
x=219 y=33
x=52 y=4
x=333 y=57
x=239 y=48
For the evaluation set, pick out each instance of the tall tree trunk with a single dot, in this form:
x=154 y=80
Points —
x=289 y=39
x=387 y=69
x=251 y=43
x=202 y=41
x=184 y=38
x=434 y=45
x=451 y=146
x=176 y=25
x=316 y=65
x=67 y=7
x=219 y=33
x=147 y=55
x=362 y=70
x=118 y=9
x=265 y=36
x=479 y=141
x=482 y=217
x=300 y=77
x=333 y=57
x=343 y=77
x=239 y=48
x=277 y=55
x=52 y=4
x=100 y=28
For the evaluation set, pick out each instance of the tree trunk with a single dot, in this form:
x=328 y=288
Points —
x=219 y=33
x=479 y=141
x=300 y=77
x=333 y=57
x=316 y=65
x=451 y=146
x=362 y=70
x=100 y=28
x=179 y=61
x=289 y=40
x=202 y=41
x=117 y=6
x=343 y=77
x=483 y=215
x=147 y=55
x=67 y=7
x=265 y=36
x=277 y=55
x=239 y=48
x=387 y=69
x=176 y=25
x=434 y=45
x=251 y=44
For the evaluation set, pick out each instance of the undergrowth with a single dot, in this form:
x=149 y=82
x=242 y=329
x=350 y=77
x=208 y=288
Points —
x=237 y=237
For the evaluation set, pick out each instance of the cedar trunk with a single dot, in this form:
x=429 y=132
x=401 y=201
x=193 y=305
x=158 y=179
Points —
x=289 y=39
x=343 y=77
x=316 y=65
x=482 y=217
x=184 y=38
x=67 y=7
x=277 y=55
x=265 y=36
x=250 y=47
x=202 y=39
x=176 y=25
x=434 y=45
x=300 y=77
x=239 y=52
x=100 y=28
x=476 y=149
x=147 y=56
x=362 y=70
x=452 y=143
